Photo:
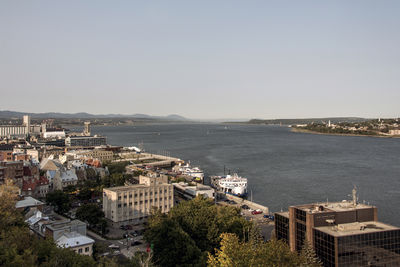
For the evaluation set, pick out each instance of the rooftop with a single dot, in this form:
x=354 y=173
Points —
x=130 y=187
x=197 y=187
x=73 y=239
x=332 y=206
x=66 y=223
x=356 y=228
x=28 y=202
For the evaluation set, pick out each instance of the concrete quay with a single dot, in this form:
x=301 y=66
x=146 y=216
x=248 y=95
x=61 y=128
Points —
x=252 y=205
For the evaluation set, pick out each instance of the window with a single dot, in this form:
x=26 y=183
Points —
x=119 y=197
x=119 y=205
x=80 y=251
x=87 y=249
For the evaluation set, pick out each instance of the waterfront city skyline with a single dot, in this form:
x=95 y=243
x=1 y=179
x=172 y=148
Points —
x=204 y=60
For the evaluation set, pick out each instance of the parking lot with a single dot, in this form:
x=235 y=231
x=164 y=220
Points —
x=124 y=241
x=266 y=225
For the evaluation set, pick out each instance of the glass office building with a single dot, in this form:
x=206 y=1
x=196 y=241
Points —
x=358 y=244
x=343 y=233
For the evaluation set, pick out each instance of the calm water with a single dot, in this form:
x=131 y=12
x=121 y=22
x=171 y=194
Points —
x=283 y=168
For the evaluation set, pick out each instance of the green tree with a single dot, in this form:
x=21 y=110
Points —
x=85 y=193
x=308 y=256
x=18 y=247
x=59 y=200
x=197 y=224
x=254 y=252
x=90 y=213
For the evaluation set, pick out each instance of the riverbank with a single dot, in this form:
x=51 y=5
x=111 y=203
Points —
x=298 y=130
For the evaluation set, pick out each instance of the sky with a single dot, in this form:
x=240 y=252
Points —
x=202 y=59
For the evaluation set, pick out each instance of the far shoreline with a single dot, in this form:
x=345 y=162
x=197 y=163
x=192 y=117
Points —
x=297 y=130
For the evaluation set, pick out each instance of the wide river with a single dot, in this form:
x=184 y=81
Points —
x=283 y=168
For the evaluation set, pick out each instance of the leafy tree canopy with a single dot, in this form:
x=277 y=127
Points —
x=60 y=200
x=197 y=224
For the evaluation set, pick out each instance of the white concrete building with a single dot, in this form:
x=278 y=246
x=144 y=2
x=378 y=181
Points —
x=126 y=204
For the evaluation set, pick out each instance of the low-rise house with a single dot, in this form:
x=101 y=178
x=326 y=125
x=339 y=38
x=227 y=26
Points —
x=50 y=164
x=14 y=171
x=66 y=233
x=29 y=202
x=64 y=178
x=79 y=243
x=35 y=187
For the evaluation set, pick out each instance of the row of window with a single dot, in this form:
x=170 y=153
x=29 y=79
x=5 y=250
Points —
x=146 y=201
x=80 y=250
x=133 y=212
x=141 y=194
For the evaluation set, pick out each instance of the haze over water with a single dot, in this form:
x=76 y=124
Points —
x=283 y=168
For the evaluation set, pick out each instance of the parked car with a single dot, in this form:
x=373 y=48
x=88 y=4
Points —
x=254 y=212
x=270 y=217
x=245 y=207
x=122 y=227
x=128 y=227
x=125 y=235
x=232 y=202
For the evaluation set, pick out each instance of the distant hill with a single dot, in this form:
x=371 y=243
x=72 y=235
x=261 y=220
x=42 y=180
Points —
x=83 y=115
x=307 y=120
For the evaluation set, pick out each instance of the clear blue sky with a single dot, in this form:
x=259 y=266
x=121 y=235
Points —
x=202 y=59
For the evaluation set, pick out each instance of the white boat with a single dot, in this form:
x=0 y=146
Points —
x=194 y=172
x=230 y=184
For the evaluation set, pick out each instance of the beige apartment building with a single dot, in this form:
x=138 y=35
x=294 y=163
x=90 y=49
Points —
x=102 y=155
x=130 y=204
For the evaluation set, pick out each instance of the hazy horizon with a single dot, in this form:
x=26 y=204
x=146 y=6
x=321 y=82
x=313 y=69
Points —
x=202 y=60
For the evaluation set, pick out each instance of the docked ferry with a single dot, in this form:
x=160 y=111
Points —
x=195 y=172
x=230 y=184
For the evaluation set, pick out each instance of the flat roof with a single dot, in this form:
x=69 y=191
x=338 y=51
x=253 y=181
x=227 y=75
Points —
x=131 y=187
x=60 y=224
x=356 y=228
x=332 y=207
x=198 y=187
x=73 y=239
x=28 y=202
